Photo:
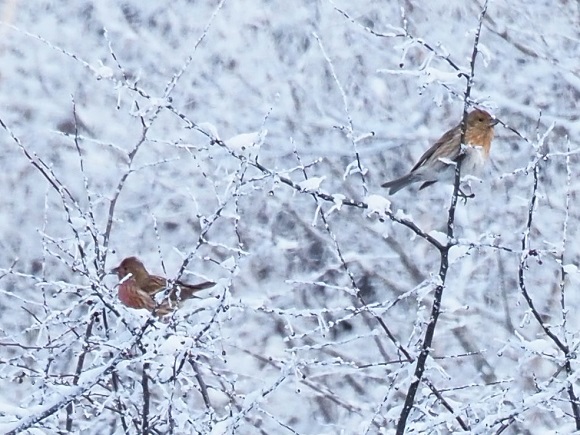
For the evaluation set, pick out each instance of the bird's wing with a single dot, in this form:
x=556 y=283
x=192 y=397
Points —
x=154 y=284
x=438 y=150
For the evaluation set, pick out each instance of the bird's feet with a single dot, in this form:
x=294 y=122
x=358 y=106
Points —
x=464 y=196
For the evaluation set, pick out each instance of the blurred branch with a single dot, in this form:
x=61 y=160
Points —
x=322 y=390
x=173 y=82
x=350 y=130
x=92 y=228
x=403 y=32
x=48 y=174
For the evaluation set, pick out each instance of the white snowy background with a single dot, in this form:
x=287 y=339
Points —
x=133 y=128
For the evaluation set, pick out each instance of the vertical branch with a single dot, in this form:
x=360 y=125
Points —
x=120 y=406
x=466 y=99
x=564 y=238
x=526 y=253
x=121 y=184
x=571 y=393
x=146 y=399
x=79 y=369
x=364 y=304
x=444 y=252
x=201 y=382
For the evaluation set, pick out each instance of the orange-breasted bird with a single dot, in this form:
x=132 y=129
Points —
x=436 y=164
x=140 y=289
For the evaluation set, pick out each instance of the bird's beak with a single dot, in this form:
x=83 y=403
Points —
x=494 y=122
x=113 y=271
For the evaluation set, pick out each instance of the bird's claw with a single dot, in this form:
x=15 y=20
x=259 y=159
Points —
x=461 y=194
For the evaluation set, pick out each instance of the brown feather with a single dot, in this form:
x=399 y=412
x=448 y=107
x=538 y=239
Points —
x=146 y=286
x=478 y=133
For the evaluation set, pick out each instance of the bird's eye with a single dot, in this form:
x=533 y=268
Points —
x=480 y=119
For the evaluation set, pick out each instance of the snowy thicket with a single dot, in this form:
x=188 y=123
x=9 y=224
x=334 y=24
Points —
x=245 y=142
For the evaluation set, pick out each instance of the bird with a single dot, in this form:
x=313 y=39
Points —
x=139 y=290
x=436 y=163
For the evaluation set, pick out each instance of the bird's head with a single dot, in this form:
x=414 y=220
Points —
x=133 y=266
x=479 y=128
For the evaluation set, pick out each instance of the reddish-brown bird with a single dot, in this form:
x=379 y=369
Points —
x=140 y=289
x=434 y=165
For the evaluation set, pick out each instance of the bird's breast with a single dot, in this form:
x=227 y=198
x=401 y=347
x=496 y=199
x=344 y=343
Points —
x=475 y=158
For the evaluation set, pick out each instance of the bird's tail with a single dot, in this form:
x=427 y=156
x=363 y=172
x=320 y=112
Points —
x=398 y=184
x=188 y=290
